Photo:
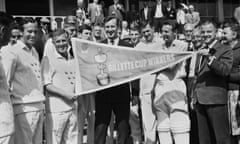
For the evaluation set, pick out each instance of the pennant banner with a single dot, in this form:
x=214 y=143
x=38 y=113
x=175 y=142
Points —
x=100 y=66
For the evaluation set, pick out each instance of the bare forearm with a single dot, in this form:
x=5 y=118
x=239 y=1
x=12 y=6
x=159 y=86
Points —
x=59 y=92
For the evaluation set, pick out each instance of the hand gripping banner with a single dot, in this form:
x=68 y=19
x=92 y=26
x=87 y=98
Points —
x=100 y=66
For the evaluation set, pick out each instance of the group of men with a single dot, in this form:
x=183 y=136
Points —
x=34 y=93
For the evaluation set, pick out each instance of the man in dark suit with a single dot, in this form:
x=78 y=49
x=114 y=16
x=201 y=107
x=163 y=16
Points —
x=116 y=99
x=210 y=95
x=158 y=15
x=145 y=12
x=116 y=10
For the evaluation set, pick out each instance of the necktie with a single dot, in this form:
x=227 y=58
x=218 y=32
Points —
x=112 y=41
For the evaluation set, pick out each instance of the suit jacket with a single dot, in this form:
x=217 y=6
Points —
x=116 y=12
x=193 y=18
x=211 y=84
x=234 y=77
x=142 y=15
x=120 y=93
x=154 y=11
x=170 y=14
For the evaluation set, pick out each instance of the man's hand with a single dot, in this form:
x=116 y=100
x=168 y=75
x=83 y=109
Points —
x=204 y=52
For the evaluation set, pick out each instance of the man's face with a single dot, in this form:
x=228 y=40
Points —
x=16 y=34
x=228 y=35
x=95 y=1
x=61 y=44
x=97 y=30
x=71 y=30
x=86 y=34
x=167 y=33
x=115 y=1
x=111 y=29
x=191 y=8
x=134 y=35
x=208 y=33
x=197 y=38
x=159 y=1
x=148 y=33
x=188 y=32
x=30 y=33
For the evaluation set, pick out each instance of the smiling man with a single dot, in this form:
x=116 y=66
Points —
x=173 y=123
x=116 y=99
x=23 y=73
x=213 y=66
x=59 y=81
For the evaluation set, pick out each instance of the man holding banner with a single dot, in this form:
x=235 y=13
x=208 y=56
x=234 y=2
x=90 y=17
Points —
x=169 y=99
x=116 y=99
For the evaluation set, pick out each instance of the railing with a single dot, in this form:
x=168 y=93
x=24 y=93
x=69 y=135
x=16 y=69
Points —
x=56 y=21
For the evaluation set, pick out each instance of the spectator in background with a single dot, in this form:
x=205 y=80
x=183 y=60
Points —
x=100 y=16
x=135 y=109
x=14 y=33
x=170 y=13
x=125 y=30
x=80 y=14
x=85 y=32
x=188 y=31
x=134 y=34
x=192 y=17
x=148 y=42
x=86 y=103
x=97 y=33
x=93 y=11
x=43 y=35
x=181 y=18
x=6 y=108
x=158 y=15
x=231 y=38
x=117 y=10
x=132 y=15
x=237 y=14
x=145 y=12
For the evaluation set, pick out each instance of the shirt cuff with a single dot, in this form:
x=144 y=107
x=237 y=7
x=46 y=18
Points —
x=211 y=59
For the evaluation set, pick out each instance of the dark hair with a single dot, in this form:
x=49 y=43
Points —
x=209 y=22
x=233 y=26
x=170 y=24
x=12 y=26
x=109 y=18
x=25 y=21
x=59 y=32
x=143 y=24
x=134 y=29
x=84 y=27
